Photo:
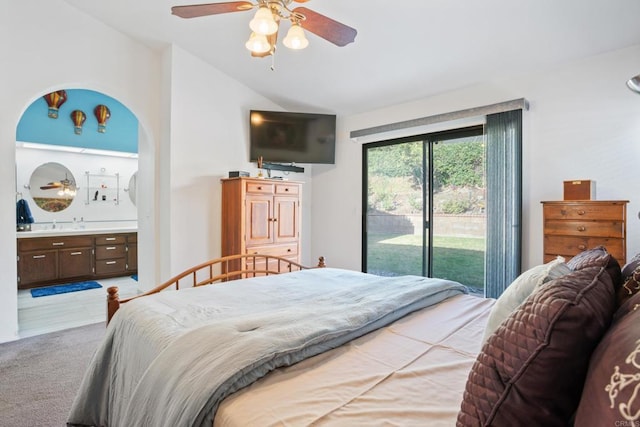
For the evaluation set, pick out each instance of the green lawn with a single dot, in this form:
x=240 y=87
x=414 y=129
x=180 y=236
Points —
x=455 y=258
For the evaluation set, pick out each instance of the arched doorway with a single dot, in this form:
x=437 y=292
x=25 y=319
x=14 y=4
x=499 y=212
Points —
x=89 y=154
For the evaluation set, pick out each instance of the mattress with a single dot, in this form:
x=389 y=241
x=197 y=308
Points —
x=410 y=373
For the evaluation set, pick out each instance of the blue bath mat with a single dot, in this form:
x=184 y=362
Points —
x=63 y=289
x=135 y=277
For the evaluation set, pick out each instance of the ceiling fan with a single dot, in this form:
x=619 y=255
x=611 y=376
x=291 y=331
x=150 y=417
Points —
x=266 y=22
x=65 y=186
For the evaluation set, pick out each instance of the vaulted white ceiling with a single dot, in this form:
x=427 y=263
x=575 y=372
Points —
x=405 y=50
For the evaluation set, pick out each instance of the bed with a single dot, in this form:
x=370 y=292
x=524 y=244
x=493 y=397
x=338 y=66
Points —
x=326 y=346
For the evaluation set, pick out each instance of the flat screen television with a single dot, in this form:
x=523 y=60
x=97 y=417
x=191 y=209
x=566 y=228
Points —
x=285 y=137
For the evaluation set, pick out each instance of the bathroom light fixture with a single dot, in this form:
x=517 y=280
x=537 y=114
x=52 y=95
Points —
x=634 y=83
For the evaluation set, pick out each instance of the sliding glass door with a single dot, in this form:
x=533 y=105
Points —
x=424 y=206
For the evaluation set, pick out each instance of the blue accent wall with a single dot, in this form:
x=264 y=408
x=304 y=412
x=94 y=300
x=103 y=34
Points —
x=121 y=130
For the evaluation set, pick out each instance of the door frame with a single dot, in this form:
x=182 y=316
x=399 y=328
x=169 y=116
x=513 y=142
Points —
x=428 y=140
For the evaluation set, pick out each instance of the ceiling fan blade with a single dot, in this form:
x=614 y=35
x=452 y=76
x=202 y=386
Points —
x=197 y=10
x=50 y=186
x=330 y=30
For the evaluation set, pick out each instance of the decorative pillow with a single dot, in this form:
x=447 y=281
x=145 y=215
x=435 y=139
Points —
x=520 y=289
x=597 y=257
x=611 y=395
x=531 y=370
x=630 y=287
x=589 y=258
x=630 y=266
x=630 y=280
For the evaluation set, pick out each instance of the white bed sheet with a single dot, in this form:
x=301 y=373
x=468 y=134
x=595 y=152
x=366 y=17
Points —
x=410 y=373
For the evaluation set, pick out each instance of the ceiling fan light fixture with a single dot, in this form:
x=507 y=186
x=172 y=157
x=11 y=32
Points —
x=295 y=38
x=634 y=83
x=263 y=22
x=258 y=43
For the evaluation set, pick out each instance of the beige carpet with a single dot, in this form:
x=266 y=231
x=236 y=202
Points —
x=39 y=376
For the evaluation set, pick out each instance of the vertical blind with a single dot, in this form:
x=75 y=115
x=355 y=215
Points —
x=504 y=200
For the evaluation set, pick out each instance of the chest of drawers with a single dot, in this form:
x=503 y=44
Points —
x=571 y=227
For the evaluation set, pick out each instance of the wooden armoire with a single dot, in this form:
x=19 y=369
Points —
x=261 y=216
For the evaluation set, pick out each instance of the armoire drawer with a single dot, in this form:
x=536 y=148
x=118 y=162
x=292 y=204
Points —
x=275 y=250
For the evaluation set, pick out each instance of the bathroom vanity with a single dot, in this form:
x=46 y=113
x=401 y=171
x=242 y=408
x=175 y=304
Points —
x=56 y=256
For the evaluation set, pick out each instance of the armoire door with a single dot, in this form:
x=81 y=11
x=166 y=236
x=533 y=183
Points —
x=286 y=219
x=259 y=219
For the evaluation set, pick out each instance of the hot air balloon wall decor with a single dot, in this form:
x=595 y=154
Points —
x=78 y=118
x=102 y=114
x=54 y=102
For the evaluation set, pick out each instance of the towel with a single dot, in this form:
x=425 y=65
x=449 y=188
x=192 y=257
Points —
x=23 y=213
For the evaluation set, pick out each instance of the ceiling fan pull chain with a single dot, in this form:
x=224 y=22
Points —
x=273 y=61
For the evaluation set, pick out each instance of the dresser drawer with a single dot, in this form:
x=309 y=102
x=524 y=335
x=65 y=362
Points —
x=586 y=211
x=110 y=239
x=585 y=228
x=44 y=243
x=570 y=246
x=110 y=251
x=109 y=266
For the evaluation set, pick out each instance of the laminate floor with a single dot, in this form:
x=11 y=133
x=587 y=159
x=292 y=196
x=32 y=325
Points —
x=63 y=311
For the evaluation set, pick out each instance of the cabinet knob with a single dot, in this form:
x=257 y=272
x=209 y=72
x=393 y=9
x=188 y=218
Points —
x=563 y=211
x=582 y=247
x=286 y=189
x=275 y=219
x=39 y=256
x=57 y=244
x=581 y=212
x=259 y=188
x=582 y=228
x=76 y=253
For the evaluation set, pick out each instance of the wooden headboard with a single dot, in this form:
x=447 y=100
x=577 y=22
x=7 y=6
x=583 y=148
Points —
x=231 y=267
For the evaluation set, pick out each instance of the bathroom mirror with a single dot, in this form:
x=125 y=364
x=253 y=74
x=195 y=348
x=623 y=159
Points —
x=133 y=187
x=52 y=187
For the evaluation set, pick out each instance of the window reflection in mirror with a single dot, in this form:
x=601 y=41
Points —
x=53 y=187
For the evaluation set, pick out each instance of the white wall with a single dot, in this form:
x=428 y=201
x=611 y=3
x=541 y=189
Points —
x=48 y=45
x=584 y=123
x=209 y=134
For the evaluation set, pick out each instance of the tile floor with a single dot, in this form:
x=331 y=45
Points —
x=63 y=311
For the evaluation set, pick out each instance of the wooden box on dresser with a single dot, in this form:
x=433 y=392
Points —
x=261 y=216
x=572 y=226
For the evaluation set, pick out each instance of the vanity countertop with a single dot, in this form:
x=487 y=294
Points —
x=74 y=232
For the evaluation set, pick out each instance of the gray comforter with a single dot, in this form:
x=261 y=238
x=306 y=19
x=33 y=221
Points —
x=169 y=359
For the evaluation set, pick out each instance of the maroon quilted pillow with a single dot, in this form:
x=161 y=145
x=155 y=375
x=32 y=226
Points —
x=597 y=257
x=531 y=370
x=611 y=395
x=594 y=257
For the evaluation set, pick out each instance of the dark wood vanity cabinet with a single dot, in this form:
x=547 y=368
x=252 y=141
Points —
x=132 y=253
x=50 y=260
x=111 y=251
x=44 y=261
